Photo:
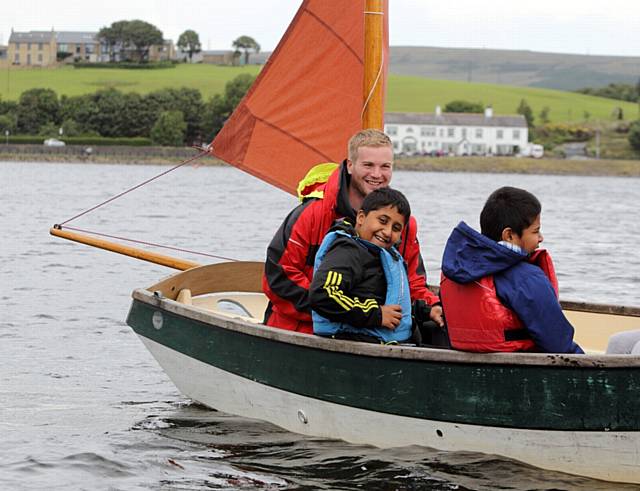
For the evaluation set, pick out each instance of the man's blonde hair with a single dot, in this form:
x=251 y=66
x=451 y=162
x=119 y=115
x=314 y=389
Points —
x=367 y=138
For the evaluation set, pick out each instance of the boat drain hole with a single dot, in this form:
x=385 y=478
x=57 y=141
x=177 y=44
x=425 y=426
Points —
x=302 y=417
x=439 y=433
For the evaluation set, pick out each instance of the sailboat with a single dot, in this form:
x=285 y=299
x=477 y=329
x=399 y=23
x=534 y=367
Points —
x=578 y=414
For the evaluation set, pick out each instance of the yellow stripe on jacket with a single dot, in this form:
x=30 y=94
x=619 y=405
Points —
x=332 y=287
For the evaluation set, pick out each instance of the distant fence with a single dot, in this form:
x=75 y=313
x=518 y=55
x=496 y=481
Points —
x=87 y=152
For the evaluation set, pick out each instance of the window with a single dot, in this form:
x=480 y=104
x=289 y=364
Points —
x=78 y=49
x=499 y=134
x=478 y=132
x=409 y=129
x=428 y=131
x=395 y=146
x=29 y=46
x=16 y=59
x=516 y=134
x=89 y=49
x=451 y=132
x=464 y=132
x=17 y=46
x=392 y=130
x=39 y=46
x=40 y=58
x=441 y=131
x=63 y=48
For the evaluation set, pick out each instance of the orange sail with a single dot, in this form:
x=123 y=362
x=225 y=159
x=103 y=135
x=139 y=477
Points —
x=308 y=99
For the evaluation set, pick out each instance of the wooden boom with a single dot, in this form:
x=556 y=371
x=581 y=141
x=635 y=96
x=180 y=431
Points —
x=152 y=257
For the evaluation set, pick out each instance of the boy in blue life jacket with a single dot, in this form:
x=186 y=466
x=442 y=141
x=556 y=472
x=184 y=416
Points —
x=499 y=291
x=360 y=289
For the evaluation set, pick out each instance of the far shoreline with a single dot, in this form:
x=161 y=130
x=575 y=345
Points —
x=495 y=165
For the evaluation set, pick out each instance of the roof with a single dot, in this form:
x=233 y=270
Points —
x=455 y=119
x=31 y=37
x=67 y=37
x=62 y=37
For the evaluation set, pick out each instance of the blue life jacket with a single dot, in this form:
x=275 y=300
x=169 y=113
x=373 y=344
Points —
x=398 y=293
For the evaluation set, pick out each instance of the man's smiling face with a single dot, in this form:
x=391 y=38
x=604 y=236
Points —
x=371 y=170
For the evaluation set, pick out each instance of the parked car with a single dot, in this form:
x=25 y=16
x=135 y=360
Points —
x=532 y=150
x=54 y=142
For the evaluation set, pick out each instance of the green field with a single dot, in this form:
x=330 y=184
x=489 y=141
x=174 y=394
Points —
x=416 y=94
x=209 y=79
x=406 y=93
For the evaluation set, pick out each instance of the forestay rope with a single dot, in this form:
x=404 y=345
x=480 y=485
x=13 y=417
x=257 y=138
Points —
x=63 y=225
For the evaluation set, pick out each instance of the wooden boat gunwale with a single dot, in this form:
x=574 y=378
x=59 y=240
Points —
x=220 y=277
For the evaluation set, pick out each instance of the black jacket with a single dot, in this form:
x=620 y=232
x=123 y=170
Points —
x=356 y=271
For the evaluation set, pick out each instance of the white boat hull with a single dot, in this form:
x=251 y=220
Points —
x=612 y=455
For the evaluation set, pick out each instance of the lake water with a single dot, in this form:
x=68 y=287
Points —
x=84 y=406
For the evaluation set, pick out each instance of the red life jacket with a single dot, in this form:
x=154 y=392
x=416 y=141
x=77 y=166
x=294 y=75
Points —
x=478 y=321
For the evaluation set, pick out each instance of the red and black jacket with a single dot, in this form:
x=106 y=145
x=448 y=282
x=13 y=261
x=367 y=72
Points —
x=292 y=251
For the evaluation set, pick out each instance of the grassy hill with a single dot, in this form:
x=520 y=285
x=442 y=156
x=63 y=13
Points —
x=417 y=94
x=522 y=68
x=209 y=79
x=406 y=93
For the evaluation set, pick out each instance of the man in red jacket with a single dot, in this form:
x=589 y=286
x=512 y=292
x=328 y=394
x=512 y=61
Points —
x=290 y=256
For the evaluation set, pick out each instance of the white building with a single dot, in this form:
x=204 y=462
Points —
x=456 y=133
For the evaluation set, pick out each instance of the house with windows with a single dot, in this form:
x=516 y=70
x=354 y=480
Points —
x=80 y=46
x=47 y=48
x=34 y=48
x=456 y=133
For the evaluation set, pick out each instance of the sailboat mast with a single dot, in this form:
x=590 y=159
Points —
x=373 y=80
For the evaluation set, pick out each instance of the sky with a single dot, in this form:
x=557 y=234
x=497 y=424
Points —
x=594 y=27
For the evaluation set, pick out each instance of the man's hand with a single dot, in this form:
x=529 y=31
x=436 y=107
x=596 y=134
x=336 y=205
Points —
x=391 y=316
x=436 y=315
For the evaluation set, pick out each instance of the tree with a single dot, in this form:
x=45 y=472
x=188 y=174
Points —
x=544 y=115
x=80 y=109
x=108 y=118
x=8 y=107
x=114 y=37
x=7 y=122
x=188 y=101
x=634 y=135
x=460 y=106
x=36 y=108
x=246 y=43
x=190 y=42
x=617 y=113
x=220 y=107
x=169 y=129
x=525 y=110
x=142 y=36
x=130 y=34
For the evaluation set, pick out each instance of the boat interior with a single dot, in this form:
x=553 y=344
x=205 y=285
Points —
x=233 y=289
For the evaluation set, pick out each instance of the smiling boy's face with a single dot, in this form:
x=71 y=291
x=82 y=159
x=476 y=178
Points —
x=382 y=227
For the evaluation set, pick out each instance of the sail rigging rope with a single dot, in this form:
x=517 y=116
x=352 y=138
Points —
x=113 y=198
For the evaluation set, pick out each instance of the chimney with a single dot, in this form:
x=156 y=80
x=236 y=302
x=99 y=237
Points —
x=438 y=111
x=488 y=112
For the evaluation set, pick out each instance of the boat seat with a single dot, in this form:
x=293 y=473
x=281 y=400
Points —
x=246 y=306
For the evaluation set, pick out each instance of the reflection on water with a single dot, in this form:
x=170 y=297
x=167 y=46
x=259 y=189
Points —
x=84 y=406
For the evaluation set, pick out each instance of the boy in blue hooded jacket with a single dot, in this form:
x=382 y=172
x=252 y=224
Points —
x=499 y=291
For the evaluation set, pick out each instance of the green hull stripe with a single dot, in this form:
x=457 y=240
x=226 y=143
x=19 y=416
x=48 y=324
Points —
x=512 y=396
